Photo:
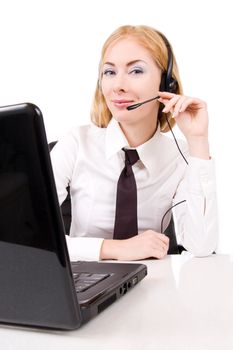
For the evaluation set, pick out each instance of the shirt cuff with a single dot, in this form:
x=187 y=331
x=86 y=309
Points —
x=84 y=248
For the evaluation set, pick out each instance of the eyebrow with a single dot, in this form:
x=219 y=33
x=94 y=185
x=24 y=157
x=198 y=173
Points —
x=128 y=64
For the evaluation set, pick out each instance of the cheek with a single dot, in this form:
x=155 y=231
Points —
x=147 y=86
x=153 y=84
x=105 y=88
x=107 y=94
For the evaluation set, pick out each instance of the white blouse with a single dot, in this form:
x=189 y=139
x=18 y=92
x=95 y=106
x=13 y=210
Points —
x=90 y=159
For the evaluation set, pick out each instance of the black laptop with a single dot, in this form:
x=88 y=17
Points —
x=39 y=287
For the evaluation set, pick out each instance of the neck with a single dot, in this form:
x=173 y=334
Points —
x=138 y=134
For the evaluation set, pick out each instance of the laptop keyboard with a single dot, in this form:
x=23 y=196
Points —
x=84 y=281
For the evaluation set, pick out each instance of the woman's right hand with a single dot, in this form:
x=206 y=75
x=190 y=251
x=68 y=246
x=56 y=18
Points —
x=149 y=244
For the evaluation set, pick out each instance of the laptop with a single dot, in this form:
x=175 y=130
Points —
x=39 y=287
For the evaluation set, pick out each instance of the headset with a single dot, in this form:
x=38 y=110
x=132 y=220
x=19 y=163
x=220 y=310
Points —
x=168 y=83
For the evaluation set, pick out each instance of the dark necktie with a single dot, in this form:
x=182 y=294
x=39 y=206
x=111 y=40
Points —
x=126 y=222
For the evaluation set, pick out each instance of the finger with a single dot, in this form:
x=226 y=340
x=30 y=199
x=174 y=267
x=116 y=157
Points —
x=169 y=105
x=166 y=94
x=179 y=105
x=193 y=104
x=158 y=253
x=163 y=238
x=160 y=246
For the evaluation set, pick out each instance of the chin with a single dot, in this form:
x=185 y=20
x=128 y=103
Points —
x=124 y=119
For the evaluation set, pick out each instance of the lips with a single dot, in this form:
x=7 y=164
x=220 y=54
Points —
x=122 y=103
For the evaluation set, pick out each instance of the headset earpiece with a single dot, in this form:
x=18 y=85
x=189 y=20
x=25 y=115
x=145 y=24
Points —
x=173 y=86
x=170 y=85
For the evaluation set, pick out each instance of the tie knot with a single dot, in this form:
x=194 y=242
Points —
x=131 y=156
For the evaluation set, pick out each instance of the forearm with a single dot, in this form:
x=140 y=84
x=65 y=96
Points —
x=142 y=246
x=197 y=218
x=199 y=147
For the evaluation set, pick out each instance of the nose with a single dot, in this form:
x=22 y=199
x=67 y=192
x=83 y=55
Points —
x=120 y=83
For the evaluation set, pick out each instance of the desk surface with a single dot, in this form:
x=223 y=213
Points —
x=183 y=303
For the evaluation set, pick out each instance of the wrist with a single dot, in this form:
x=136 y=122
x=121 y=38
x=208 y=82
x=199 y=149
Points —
x=110 y=249
x=199 y=147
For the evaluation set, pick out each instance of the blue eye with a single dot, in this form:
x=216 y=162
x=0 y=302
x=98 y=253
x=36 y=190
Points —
x=108 y=72
x=136 y=71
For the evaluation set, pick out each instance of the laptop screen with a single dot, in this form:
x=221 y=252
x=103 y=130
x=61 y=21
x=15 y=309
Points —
x=26 y=212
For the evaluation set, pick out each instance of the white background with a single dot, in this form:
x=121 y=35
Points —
x=50 y=49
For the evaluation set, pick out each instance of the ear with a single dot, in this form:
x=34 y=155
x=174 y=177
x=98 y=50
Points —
x=169 y=85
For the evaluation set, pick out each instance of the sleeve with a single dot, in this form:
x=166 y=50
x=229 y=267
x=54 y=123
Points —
x=84 y=248
x=197 y=218
x=63 y=157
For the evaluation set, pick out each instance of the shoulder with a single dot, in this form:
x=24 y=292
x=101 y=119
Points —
x=86 y=132
x=80 y=138
x=81 y=133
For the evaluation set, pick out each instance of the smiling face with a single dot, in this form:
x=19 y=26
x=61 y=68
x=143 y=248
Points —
x=129 y=76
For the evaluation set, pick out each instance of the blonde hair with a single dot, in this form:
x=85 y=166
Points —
x=153 y=41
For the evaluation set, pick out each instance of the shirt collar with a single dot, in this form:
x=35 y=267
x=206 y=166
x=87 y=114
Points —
x=115 y=139
x=148 y=152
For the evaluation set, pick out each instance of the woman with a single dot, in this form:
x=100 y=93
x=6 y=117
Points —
x=134 y=67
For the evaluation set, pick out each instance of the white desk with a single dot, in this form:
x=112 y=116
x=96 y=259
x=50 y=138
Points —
x=184 y=303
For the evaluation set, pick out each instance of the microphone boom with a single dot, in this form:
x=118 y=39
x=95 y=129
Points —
x=136 y=105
